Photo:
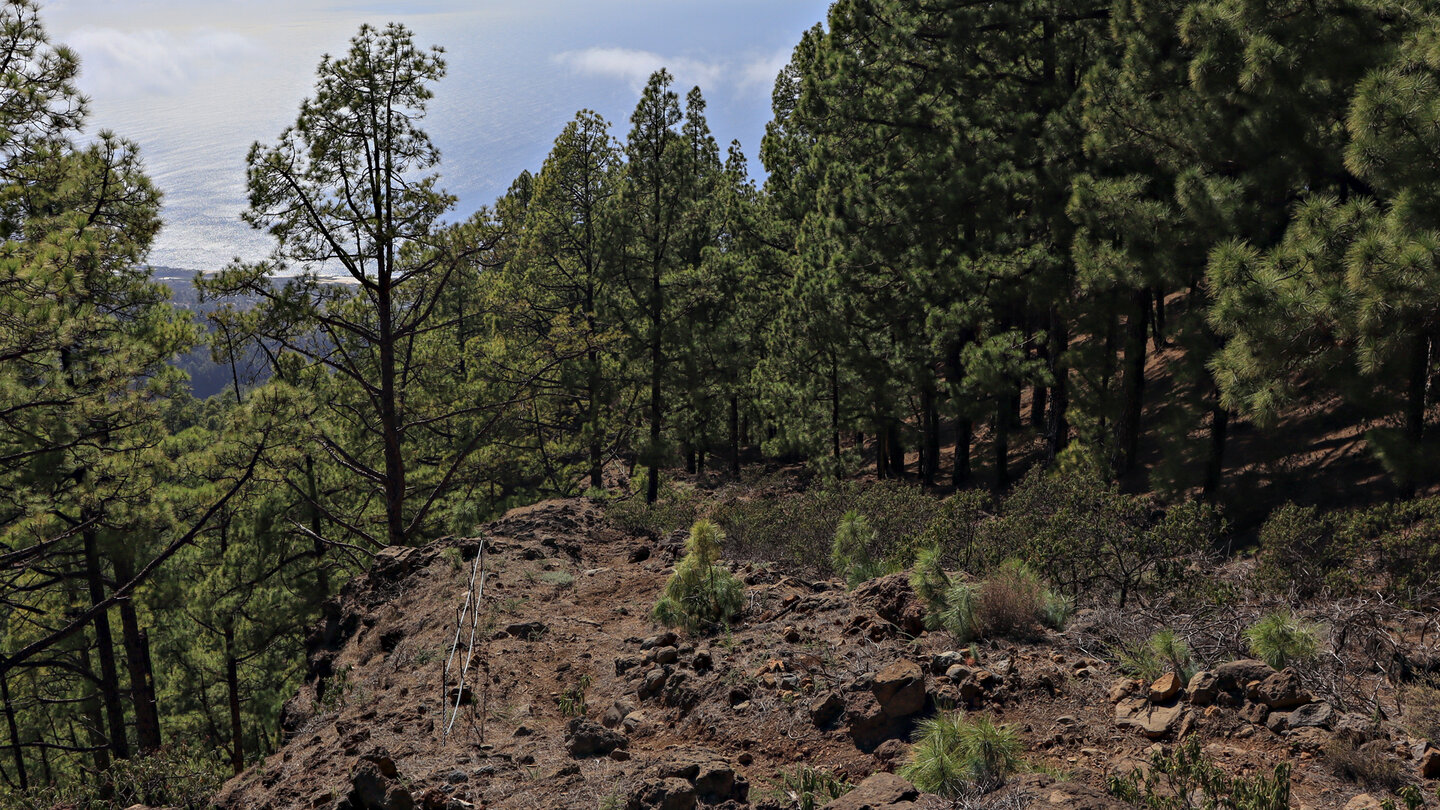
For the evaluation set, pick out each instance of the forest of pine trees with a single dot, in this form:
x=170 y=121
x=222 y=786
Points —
x=1093 y=235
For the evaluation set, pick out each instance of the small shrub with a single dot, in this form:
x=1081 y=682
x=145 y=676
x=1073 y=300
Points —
x=456 y=559
x=850 y=549
x=1011 y=602
x=1422 y=708
x=807 y=788
x=181 y=777
x=676 y=509
x=929 y=580
x=1371 y=764
x=955 y=754
x=958 y=615
x=1087 y=537
x=564 y=579
x=955 y=529
x=1186 y=778
x=1279 y=639
x=700 y=595
x=1165 y=651
x=572 y=702
x=1057 y=610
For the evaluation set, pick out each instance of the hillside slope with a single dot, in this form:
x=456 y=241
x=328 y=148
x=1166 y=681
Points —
x=583 y=702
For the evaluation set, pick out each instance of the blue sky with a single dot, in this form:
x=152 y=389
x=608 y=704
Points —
x=196 y=82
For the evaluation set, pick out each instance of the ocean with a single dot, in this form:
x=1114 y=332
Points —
x=195 y=83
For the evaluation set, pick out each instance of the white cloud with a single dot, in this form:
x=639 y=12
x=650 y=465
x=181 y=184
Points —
x=635 y=66
x=116 y=63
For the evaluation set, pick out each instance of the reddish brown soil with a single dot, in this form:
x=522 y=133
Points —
x=385 y=640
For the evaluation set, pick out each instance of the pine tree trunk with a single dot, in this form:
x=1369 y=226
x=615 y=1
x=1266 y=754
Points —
x=897 y=451
x=13 y=728
x=1002 y=445
x=1137 y=339
x=735 y=437
x=930 y=463
x=1057 y=428
x=95 y=718
x=835 y=409
x=105 y=649
x=394 y=481
x=322 y=578
x=137 y=662
x=1215 y=464
x=597 y=472
x=964 y=434
x=232 y=688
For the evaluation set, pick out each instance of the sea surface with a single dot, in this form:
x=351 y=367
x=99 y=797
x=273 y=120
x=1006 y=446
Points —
x=195 y=83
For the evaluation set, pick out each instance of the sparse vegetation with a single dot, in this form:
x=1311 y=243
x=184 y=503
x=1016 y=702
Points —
x=572 y=702
x=956 y=753
x=701 y=595
x=1280 y=639
x=1184 y=778
x=1165 y=651
x=1012 y=603
x=850 y=550
x=807 y=788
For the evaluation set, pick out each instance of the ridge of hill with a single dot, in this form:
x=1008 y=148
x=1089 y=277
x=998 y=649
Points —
x=580 y=701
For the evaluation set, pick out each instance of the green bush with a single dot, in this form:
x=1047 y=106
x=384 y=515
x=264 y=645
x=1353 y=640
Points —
x=701 y=595
x=955 y=529
x=1012 y=603
x=1185 y=778
x=1165 y=651
x=1392 y=548
x=955 y=754
x=959 y=616
x=798 y=529
x=850 y=549
x=676 y=509
x=929 y=580
x=175 y=776
x=1279 y=639
x=1087 y=537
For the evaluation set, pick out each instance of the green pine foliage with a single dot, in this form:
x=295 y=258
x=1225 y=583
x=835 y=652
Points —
x=701 y=596
x=1280 y=639
x=956 y=754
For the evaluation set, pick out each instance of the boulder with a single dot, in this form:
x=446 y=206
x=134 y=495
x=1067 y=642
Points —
x=883 y=791
x=825 y=709
x=1167 y=687
x=942 y=663
x=1043 y=790
x=1203 y=688
x=1364 y=801
x=893 y=600
x=527 y=631
x=1313 y=715
x=663 y=794
x=1429 y=765
x=585 y=738
x=372 y=790
x=1281 y=691
x=1234 y=676
x=616 y=713
x=900 y=689
x=1151 y=720
x=865 y=722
